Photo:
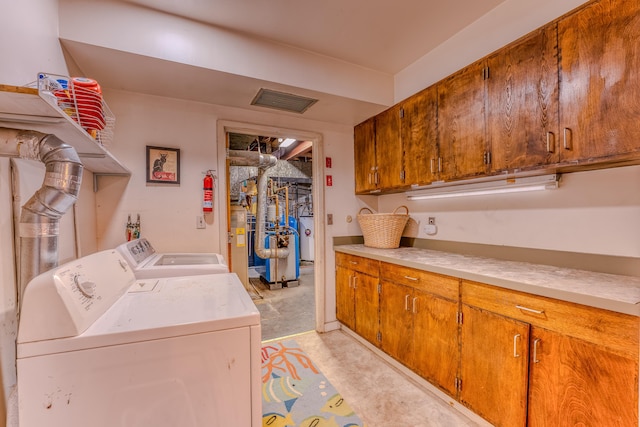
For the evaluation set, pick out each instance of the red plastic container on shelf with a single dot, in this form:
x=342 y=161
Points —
x=88 y=99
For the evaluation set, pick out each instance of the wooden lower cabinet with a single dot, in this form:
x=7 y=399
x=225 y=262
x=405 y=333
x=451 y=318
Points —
x=357 y=302
x=417 y=326
x=494 y=365
x=573 y=382
x=515 y=359
x=529 y=360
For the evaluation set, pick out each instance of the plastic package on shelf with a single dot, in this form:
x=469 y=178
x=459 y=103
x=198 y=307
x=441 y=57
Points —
x=80 y=98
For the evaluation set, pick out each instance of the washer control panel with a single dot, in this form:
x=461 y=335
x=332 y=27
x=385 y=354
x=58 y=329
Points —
x=67 y=300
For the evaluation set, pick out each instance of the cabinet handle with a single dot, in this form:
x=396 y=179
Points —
x=535 y=350
x=439 y=164
x=355 y=282
x=406 y=302
x=376 y=178
x=551 y=142
x=432 y=162
x=415 y=306
x=567 y=141
x=530 y=310
x=415 y=279
x=353 y=262
x=515 y=345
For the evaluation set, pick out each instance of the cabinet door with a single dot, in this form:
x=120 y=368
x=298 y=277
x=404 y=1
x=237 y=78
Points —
x=364 y=143
x=419 y=137
x=345 y=301
x=522 y=103
x=396 y=321
x=389 y=148
x=494 y=363
x=367 y=307
x=599 y=48
x=435 y=337
x=574 y=382
x=461 y=124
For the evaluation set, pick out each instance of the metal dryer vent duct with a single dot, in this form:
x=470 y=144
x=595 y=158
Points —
x=263 y=162
x=40 y=215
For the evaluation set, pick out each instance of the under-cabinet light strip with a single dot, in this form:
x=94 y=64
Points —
x=537 y=183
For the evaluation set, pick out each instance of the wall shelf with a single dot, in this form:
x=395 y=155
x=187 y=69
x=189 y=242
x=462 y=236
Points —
x=23 y=108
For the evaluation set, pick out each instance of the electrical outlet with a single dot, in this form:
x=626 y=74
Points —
x=200 y=222
x=432 y=220
x=329 y=219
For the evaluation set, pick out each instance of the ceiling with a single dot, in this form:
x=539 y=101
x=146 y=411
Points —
x=381 y=35
x=299 y=150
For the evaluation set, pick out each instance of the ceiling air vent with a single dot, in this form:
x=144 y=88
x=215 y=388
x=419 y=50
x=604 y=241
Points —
x=282 y=101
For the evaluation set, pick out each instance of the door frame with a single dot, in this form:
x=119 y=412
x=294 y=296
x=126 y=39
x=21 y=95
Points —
x=223 y=128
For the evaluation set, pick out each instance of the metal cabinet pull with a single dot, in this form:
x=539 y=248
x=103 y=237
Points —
x=439 y=164
x=355 y=282
x=415 y=306
x=432 y=162
x=535 y=350
x=515 y=345
x=566 y=141
x=530 y=310
x=411 y=278
x=551 y=142
x=406 y=302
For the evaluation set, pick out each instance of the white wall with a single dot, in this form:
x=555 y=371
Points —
x=596 y=212
x=169 y=212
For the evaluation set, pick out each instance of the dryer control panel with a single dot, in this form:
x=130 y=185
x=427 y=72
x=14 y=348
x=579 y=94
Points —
x=68 y=299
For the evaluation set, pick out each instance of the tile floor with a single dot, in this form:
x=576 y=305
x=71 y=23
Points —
x=377 y=391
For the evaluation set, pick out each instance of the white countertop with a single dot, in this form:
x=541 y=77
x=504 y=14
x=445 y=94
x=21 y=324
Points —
x=606 y=291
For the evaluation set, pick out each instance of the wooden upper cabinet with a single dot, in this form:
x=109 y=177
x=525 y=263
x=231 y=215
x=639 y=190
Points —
x=419 y=137
x=522 y=103
x=389 y=148
x=599 y=48
x=364 y=143
x=461 y=124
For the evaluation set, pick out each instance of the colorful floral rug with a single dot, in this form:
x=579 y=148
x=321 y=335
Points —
x=295 y=393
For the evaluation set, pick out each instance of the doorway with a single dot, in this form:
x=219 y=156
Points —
x=284 y=290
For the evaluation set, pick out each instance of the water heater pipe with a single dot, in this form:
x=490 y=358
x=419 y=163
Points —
x=263 y=162
x=40 y=216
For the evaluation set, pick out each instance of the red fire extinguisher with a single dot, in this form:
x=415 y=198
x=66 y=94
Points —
x=207 y=203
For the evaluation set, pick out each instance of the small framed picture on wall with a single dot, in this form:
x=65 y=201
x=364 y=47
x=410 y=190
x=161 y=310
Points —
x=163 y=165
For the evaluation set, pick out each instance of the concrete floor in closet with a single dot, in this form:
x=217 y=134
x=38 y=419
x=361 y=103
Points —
x=380 y=393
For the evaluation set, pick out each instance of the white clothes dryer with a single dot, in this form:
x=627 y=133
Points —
x=98 y=348
x=146 y=263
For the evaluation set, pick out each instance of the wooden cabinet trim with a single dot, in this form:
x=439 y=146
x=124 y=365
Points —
x=437 y=284
x=357 y=263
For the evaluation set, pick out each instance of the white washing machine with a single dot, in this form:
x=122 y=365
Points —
x=146 y=263
x=98 y=348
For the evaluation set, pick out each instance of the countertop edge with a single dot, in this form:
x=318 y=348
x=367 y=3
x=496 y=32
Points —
x=572 y=297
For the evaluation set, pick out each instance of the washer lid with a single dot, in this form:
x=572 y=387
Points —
x=163 y=308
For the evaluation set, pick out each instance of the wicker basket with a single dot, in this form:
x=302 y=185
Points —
x=382 y=230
